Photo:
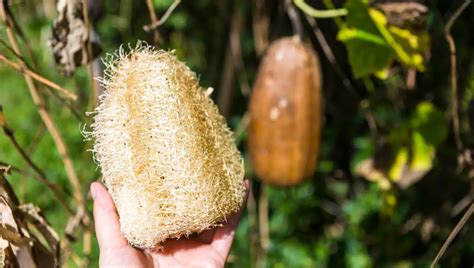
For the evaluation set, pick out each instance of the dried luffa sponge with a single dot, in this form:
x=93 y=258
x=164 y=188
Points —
x=166 y=154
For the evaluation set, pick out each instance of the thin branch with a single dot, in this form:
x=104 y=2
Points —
x=7 y=169
x=461 y=205
x=53 y=92
x=45 y=116
x=454 y=91
x=453 y=235
x=3 y=43
x=79 y=218
x=295 y=19
x=163 y=19
x=86 y=248
x=264 y=226
x=329 y=54
x=339 y=72
x=253 y=226
x=239 y=65
x=260 y=26
x=90 y=67
x=73 y=222
x=86 y=239
x=41 y=174
x=452 y=52
x=69 y=105
x=411 y=79
x=26 y=71
x=67 y=254
x=10 y=20
x=39 y=134
x=329 y=5
x=154 y=20
x=323 y=14
x=240 y=129
x=226 y=87
x=456 y=15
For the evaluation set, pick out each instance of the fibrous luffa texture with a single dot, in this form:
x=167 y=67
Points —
x=166 y=154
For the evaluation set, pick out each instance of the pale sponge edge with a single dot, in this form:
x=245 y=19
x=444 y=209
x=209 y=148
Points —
x=166 y=154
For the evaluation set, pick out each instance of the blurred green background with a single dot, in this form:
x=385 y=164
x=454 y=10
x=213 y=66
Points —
x=347 y=215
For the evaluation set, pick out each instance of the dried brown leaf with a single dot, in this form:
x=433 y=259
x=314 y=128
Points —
x=33 y=215
x=70 y=37
x=7 y=258
x=18 y=246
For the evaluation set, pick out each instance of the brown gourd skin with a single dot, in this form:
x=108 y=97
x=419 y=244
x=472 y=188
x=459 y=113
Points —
x=285 y=114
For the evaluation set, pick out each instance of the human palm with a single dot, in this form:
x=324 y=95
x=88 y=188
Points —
x=209 y=249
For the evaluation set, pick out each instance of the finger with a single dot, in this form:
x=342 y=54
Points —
x=224 y=236
x=107 y=225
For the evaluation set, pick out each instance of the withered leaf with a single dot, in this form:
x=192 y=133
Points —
x=33 y=215
x=70 y=37
x=409 y=14
x=7 y=258
x=19 y=247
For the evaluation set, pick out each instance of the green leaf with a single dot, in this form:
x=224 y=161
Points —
x=422 y=153
x=331 y=13
x=398 y=166
x=358 y=15
x=430 y=123
x=429 y=130
x=367 y=58
x=346 y=34
x=368 y=51
x=411 y=152
x=373 y=44
x=407 y=46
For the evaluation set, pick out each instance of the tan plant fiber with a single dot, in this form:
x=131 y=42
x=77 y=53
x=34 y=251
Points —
x=166 y=154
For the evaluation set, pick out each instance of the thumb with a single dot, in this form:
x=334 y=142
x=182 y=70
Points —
x=107 y=225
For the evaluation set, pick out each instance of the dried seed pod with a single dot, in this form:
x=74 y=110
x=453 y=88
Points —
x=285 y=114
x=166 y=154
